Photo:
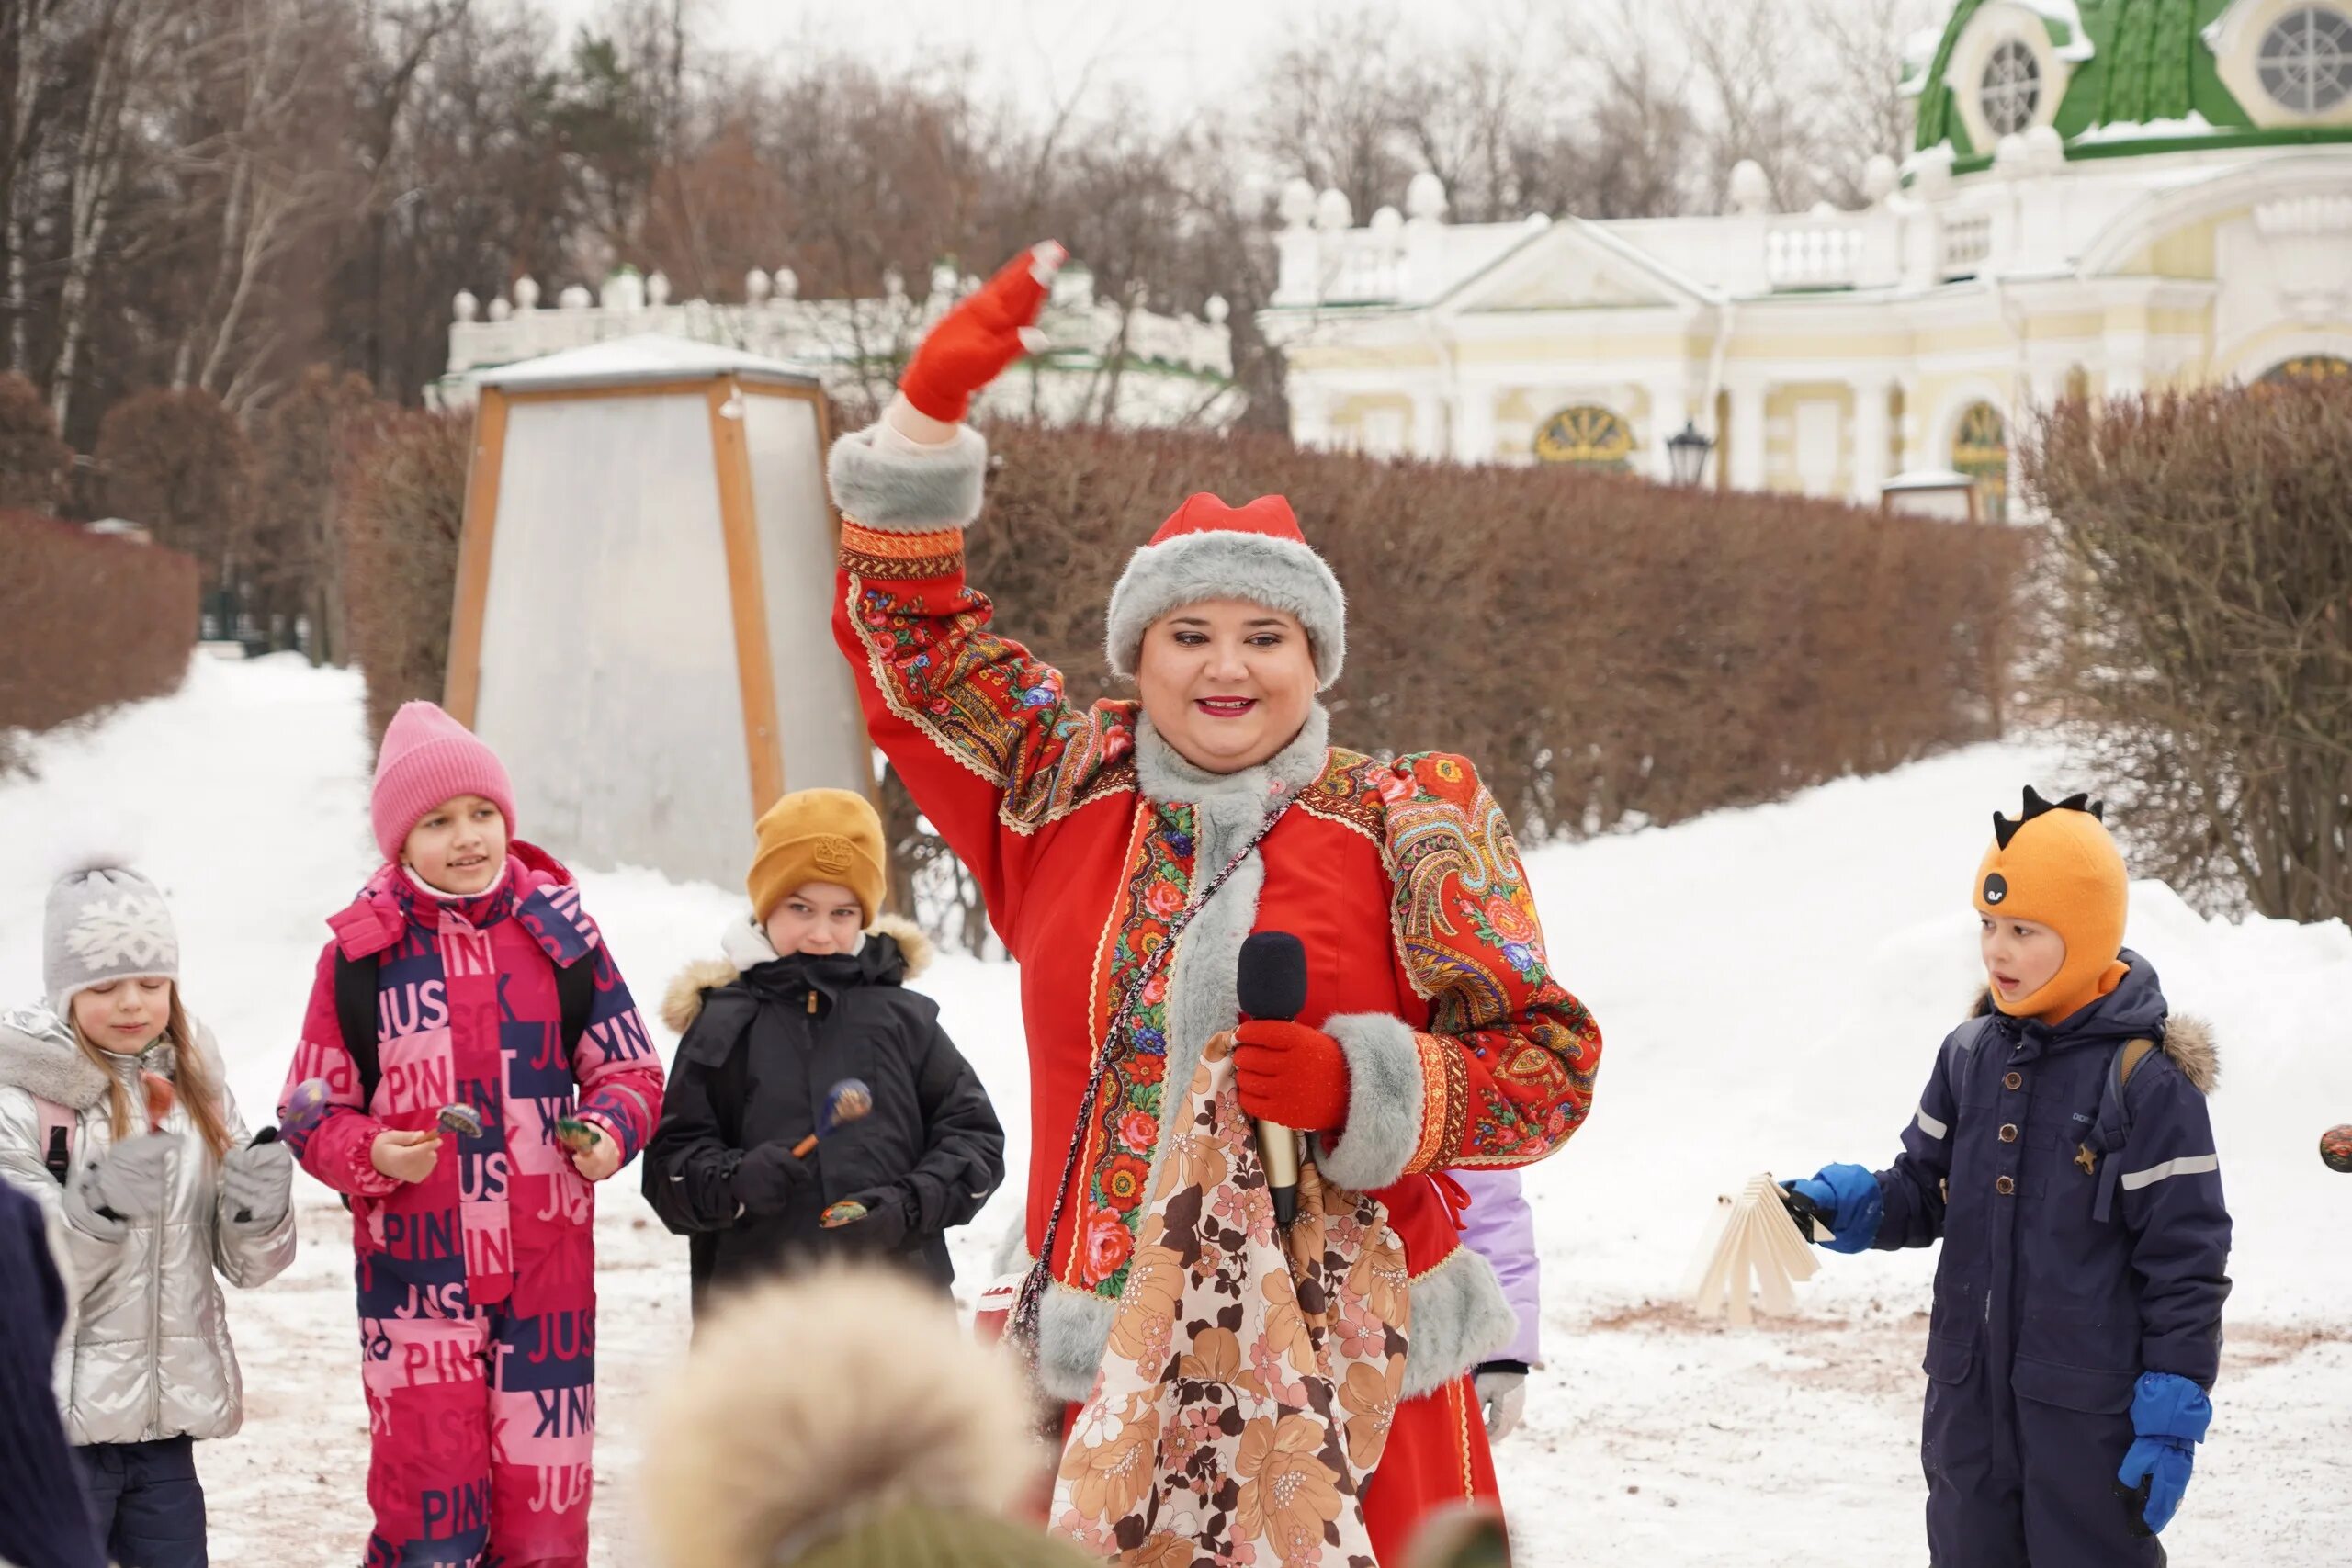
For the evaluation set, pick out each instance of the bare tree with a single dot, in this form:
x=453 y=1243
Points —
x=1863 y=110
x=260 y=170
x=125 y=41
x=1755 y=79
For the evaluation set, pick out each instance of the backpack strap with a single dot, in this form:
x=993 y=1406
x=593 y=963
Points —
x=575 y=990
x=355 y=1012
x=2113 y=1128
x=56 y=1137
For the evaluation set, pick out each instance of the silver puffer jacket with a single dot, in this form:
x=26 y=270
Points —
x=145 y=1354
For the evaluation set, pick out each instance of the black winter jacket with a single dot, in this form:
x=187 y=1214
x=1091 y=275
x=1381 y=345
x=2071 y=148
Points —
x=757 y=1059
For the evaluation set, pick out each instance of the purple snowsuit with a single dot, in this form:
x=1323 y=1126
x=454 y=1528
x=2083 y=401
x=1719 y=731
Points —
x=2084 y=1240
x=1499 y=1227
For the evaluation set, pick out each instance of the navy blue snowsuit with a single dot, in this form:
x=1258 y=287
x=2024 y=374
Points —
x=2058 y=1284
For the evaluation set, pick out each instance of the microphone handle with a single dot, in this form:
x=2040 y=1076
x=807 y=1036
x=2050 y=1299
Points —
x=1278 y=1149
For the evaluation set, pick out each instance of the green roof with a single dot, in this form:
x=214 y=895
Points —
x=2149 y=63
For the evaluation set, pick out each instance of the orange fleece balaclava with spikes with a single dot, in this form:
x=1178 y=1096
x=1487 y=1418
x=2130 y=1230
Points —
x=2055 y=865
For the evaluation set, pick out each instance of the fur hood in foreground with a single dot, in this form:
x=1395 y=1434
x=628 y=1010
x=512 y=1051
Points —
x=744 y=945
x=896 y=1441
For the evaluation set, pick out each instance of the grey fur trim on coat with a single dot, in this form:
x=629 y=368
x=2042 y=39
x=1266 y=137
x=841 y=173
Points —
x=879 y=486
x=1384 y=1102
x=1460 y=1317
x=1282 y=575
x=38 y=1054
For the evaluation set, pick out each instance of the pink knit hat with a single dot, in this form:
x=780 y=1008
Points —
x=427 y=758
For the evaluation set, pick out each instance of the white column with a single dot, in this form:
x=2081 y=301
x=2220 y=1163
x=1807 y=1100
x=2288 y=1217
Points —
x=1873 y=431
x=1746 y=456
x=1428 y=424
x=1473 y=424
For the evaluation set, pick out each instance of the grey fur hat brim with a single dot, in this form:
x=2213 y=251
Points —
x=1192 y=569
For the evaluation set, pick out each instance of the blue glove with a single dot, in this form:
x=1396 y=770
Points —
x=2170 y=1415
x=1849 y=1199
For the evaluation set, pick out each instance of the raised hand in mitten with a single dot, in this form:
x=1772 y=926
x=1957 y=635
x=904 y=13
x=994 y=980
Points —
x=129 y=1182
x=972 y=344
x=256 y=1184
x=1851 y=1204
x=1290 y=1074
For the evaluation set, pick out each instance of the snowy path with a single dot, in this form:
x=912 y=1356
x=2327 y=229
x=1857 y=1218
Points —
x=1771 y=983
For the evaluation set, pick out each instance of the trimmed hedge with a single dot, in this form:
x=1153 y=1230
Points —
x=87 y=620
x=1606 y=650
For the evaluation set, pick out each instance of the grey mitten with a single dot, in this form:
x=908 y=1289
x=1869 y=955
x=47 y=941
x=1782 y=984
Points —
x=1501 y=1388
x=131 y=1181
x=256 y=1184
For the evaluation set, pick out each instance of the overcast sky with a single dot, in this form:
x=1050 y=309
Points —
x=1168 y=58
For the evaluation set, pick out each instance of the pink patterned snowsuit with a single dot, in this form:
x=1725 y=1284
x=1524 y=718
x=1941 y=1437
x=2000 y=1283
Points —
x=476 y=1288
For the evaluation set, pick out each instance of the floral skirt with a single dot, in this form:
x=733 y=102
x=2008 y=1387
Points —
x=1251 y=1381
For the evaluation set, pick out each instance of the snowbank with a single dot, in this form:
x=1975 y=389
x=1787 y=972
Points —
x=1772 y=985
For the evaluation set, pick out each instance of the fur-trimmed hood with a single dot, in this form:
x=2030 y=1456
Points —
x=744 y=946
x=38 y=1054
x=759 y=1459
x=2188 y=1040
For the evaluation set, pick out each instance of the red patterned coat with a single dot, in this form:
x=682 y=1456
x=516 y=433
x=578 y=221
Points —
x=1087 y=834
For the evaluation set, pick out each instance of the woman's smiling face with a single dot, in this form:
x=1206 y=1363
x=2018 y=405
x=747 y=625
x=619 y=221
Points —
x=1227 y=682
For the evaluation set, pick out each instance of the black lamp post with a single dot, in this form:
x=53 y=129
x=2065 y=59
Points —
x=1686 y=452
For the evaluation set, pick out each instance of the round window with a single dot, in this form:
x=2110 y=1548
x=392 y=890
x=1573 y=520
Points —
x=2305 y=61
x=2011 y=88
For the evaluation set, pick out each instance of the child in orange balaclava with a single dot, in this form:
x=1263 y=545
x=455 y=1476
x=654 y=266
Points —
x=2062 y=1154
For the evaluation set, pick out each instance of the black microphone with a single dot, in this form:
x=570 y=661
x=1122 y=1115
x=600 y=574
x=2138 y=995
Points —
x=1270 y=983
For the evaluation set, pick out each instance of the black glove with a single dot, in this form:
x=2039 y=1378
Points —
x=890 y=1216
x=768 y=1178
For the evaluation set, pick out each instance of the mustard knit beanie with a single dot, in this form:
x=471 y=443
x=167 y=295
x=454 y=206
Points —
x=819 y=835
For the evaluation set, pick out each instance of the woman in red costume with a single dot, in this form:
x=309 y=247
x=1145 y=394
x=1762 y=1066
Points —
x=1239 y=1394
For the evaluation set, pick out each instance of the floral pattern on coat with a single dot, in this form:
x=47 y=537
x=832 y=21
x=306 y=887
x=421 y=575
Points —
x=1252 y=1374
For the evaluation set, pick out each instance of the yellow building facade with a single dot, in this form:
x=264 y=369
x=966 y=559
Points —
x=2105 y=196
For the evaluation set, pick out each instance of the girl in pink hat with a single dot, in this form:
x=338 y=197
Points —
x=471 y=1064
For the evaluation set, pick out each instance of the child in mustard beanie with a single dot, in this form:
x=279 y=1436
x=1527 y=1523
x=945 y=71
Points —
x=816 y=1107
x=2063 y=1156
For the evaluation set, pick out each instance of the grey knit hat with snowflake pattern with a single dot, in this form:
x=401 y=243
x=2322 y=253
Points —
x=105 y=923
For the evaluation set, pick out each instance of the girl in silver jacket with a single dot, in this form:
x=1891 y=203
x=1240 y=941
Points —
x=115 y=1116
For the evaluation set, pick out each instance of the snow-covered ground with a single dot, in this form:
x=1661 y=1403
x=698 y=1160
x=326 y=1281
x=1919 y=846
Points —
x=1771 y=983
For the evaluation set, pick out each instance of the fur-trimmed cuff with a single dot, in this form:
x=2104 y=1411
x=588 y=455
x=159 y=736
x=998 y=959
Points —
x=1384 y=1102
x=888 y=488
x=1460 y=1318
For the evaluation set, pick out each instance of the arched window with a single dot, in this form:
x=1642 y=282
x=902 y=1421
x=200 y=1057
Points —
x=1980 y=449
x=2308 y=367
x=1587 y=435
x=2010 y=89
x=2305 y=59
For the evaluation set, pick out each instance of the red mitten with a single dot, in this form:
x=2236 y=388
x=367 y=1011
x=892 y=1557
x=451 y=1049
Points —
x=1290 y=1074
x=973 y=342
